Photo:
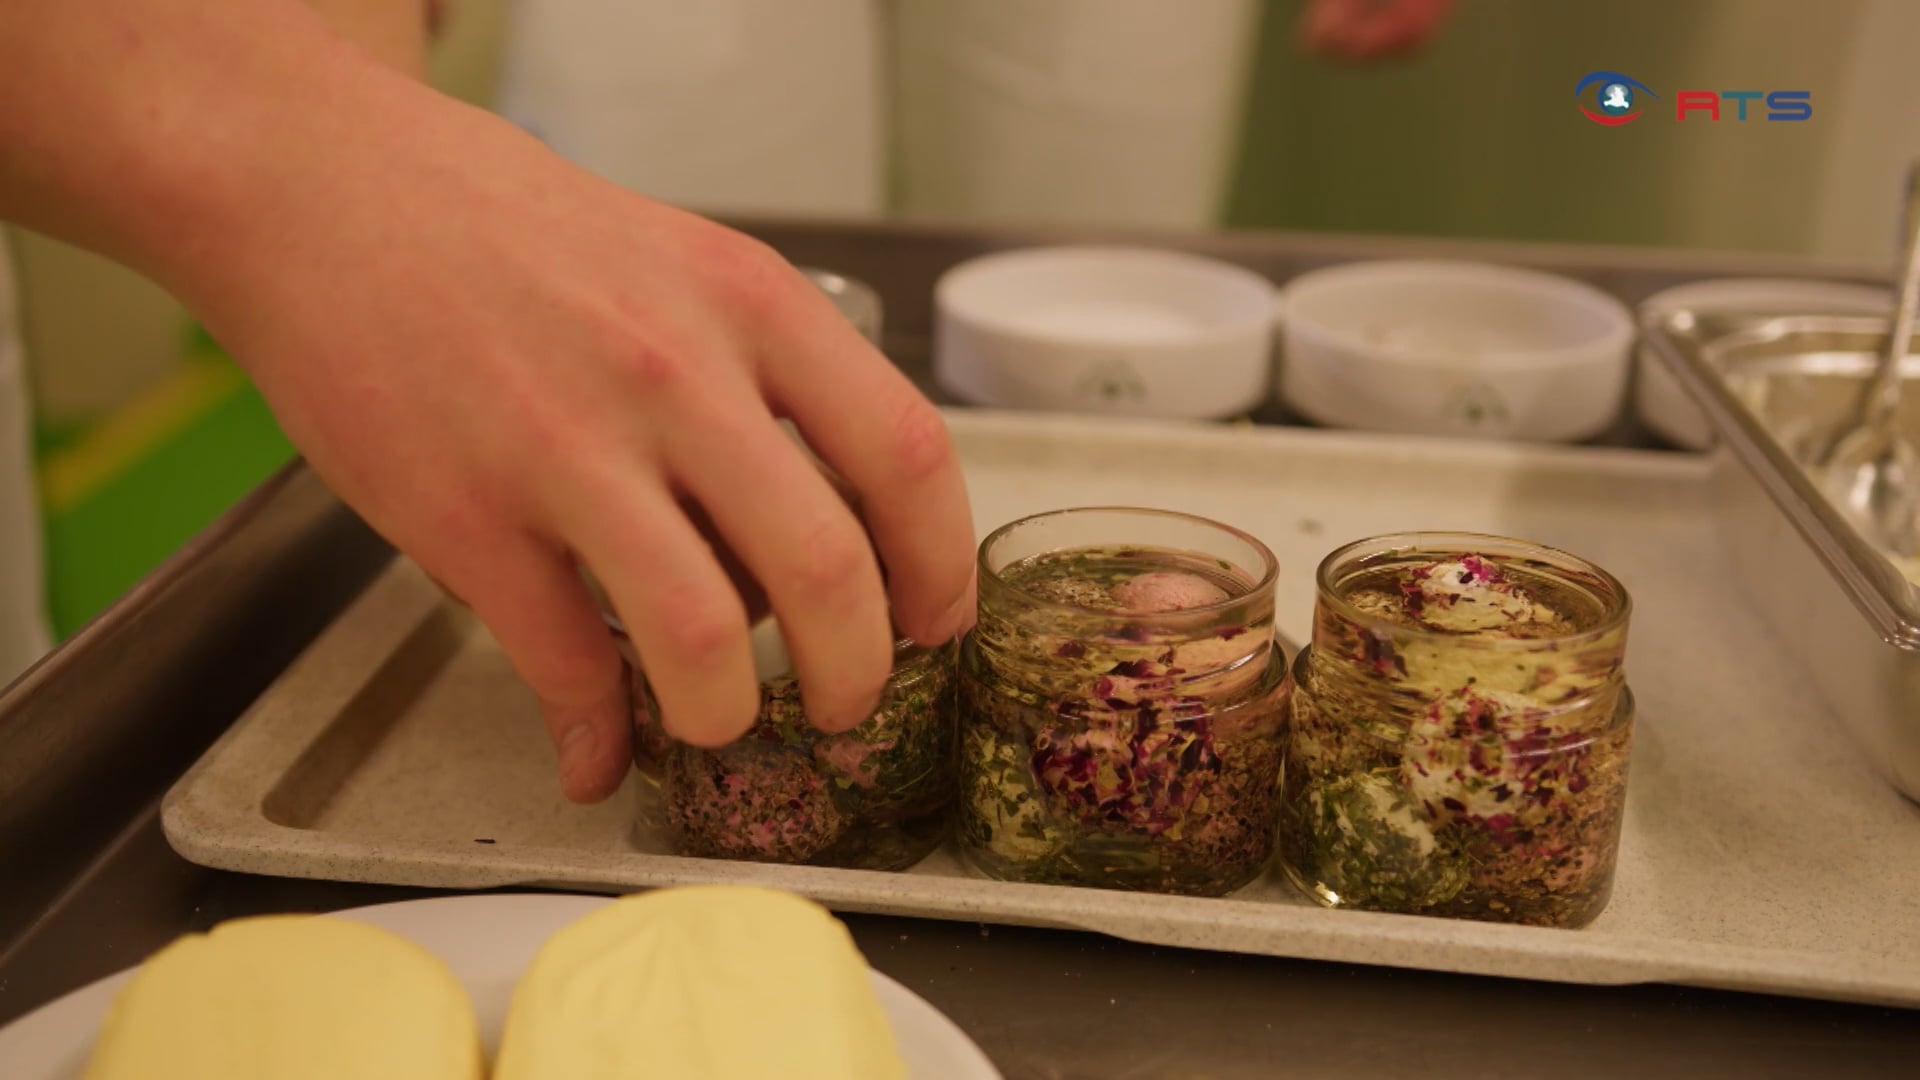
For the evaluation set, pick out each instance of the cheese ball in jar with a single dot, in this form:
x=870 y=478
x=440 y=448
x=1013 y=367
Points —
x=1121 y=704
x=1460 y=730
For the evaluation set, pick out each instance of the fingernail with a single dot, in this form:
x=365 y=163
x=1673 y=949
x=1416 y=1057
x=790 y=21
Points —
x=579 y=754
x=592 y=768
x=966 y=612
x=956 y=620
x=849 y=720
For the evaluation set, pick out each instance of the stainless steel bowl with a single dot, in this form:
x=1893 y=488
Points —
x=1769 y=385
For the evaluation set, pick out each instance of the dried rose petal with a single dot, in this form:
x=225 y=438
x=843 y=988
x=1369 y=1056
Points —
x=1142 y=781
x=1482 y=570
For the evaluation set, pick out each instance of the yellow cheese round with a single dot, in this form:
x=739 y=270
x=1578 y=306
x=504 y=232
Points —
x=700 y=983
x=290 y=997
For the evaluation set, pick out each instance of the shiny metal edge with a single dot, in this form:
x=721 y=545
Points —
x=93 y=733
x=1688 y=345
x=127 y=610
x=1254 y=246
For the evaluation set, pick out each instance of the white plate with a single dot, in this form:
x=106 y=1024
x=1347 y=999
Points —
x=488 y=941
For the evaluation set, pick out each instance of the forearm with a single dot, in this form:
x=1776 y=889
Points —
x=160 y=132
x=393 y=31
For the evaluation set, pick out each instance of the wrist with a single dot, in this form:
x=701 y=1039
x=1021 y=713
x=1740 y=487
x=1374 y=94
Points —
x=252 y=155
x=167 y=134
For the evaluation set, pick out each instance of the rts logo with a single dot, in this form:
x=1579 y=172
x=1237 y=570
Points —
x=1793 y=105
x=1617 y=100
x=1614 y=97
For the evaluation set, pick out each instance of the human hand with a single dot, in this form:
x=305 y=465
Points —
x=510 y=367
x=1371 y=29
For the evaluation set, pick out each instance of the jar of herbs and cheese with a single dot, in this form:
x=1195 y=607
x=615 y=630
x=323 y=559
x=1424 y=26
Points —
x=1460 y=729
x=876 y=797
x=1121 y=703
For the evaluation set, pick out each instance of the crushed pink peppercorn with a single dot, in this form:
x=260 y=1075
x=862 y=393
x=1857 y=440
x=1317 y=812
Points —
x=761 y=805
x=877 y=797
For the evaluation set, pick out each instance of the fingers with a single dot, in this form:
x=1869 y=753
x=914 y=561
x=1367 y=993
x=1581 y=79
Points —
x=890 y=444
x=753 y=596
x=1371 y=29
x=678 y=606
x=802 y=542
x=532 y=599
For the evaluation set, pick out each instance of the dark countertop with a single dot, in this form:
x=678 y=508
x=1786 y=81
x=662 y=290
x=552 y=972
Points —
x=91 y=739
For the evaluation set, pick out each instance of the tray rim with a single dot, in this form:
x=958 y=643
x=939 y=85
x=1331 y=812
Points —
x=1691 y=346
x=213 y=816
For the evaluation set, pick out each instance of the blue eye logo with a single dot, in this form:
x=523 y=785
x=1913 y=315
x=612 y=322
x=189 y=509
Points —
x=1615 y=97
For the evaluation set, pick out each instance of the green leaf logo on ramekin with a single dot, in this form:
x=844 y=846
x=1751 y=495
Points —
x=1111 y=382
x=1477 y=405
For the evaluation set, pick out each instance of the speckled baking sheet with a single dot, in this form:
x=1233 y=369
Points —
x=1761 y=851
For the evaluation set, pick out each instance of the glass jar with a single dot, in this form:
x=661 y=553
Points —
x=1121 y=701
x=1460 y=731
x=876 y=797
x=855 y=299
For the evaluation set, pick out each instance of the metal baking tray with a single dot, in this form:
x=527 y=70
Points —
x=1849 y=620
x=1759 y=853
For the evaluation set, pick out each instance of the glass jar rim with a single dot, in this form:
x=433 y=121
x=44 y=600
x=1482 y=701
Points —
x=1269 y=568
x=1468 y=543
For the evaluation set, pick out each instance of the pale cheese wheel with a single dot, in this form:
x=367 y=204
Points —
x=290 y=997
x=700 y=983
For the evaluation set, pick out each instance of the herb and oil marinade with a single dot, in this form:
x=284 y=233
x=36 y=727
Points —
x=1121 y=705
x=1460 y=731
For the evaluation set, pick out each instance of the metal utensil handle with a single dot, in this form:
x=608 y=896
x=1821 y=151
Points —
x=1884 y=403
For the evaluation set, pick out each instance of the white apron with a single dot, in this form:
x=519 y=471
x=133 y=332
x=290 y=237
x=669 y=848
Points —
x=720 y=106
x=1109 y=112
x=1055 y=112
x=23 y=615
